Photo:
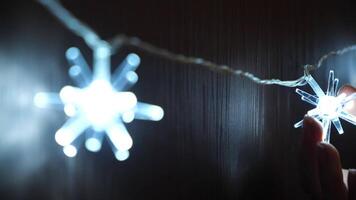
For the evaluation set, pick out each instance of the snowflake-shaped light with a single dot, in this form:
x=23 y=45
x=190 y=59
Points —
x=100 y=105
x=329 y=106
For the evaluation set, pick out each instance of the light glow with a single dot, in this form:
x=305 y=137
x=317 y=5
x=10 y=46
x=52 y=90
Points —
x=41 y=100
x=70 y=151
x=93 y=144
x=350 y=105
x=122 y=155
x=100 y=103
x=70 y=110
x=329 y=106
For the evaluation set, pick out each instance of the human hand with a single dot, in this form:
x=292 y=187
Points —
x=322 y=174
x=321 y=167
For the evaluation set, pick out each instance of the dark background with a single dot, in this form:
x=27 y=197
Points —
x=222 y=137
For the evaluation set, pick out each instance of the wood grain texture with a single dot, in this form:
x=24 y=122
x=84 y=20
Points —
x=222 y=137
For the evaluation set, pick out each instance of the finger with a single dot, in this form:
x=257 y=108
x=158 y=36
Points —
x=331 y=177
x=351 y=106
x=312 y=135
x=351 y=182
x=347 y=89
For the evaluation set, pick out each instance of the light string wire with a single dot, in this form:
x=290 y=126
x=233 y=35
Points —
x=93 y=40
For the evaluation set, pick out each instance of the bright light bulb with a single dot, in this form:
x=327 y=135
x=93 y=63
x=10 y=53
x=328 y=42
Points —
x=62 y=138
x=72 y=53
x=132 y=77
x=128 y=116
x=75 y=70
x=157 y=113
x=122 y=155
x=101 y=103
x=93 y=144
x=119 y=136
x=41 y=100
x=103 y=52
x=68 y=94
x=329 y=106
x=70 y=110
x=70 y=151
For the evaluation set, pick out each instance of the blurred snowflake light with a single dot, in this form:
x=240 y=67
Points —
x=100 y=105
x=329 y=106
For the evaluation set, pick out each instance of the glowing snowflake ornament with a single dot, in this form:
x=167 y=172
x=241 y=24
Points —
x=329 y=106
x=100 y=105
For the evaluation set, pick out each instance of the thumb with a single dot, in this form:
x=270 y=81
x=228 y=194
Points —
x=312 y=135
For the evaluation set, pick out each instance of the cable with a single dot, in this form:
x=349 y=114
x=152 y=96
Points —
x=93 y=41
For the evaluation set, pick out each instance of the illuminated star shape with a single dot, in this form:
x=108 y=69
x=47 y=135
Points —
x=100 y=105
x=329 y=106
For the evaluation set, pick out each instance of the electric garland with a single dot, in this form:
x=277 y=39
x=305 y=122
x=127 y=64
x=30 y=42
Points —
x=329 y=106
x=102 y=103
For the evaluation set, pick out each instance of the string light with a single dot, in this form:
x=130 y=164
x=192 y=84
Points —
x=101 y=103
x=329 y=106
x=91 y=38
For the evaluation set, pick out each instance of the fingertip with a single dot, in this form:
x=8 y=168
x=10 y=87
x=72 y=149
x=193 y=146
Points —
x=346 y=89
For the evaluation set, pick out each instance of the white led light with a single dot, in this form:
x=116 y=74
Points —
x=93 y=144
x=156 y=113
x=41 y=100
x=132 y=77
x=68 y=93
x=70 y=110
x=122 y=155
x=61 y=137
x=70 y=151
x=72 y=53
x=128 y=116
x=75 y=70
x=329 y=106
x=148 y=112
x=133 y=59
x=103 y=52
x=101 y=102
